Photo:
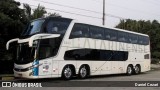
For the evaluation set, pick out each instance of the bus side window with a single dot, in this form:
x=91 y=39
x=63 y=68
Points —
x=146 y=40
x=77 y=54
x=48 y=47
x=140 y=40
x=122 y=36
x=110 y=34
x=79 y=30
x=106 y=55
x=107 y=34
x=133 y=38
x=119 y=56
x=96 y=32
x=56 y=27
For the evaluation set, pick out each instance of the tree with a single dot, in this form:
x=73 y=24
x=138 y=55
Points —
x=12 y=21
x=54 y=15
x=27 y=9
x=39 y=12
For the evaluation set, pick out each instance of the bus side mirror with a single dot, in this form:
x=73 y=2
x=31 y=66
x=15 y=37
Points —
x=41 y=36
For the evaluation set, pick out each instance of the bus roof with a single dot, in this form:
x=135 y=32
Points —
x=52 y=17
x=76 y=21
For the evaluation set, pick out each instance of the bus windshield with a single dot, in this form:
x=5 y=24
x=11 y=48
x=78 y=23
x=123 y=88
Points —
x=43 y=49
x=25 y=54
x=52 y=26
x=34 y=27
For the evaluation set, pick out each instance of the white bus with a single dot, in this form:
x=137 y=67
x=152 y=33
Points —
x=61 y=47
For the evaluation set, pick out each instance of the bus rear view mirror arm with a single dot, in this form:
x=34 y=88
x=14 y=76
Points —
x=10 y=41
x=41 y=36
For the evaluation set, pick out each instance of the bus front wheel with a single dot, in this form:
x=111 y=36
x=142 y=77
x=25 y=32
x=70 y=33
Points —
x=67 y=73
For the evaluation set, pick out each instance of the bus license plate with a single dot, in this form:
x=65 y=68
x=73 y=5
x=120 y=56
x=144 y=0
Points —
x=20 y=75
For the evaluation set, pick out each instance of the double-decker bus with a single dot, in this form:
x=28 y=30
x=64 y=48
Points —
x=62 y=47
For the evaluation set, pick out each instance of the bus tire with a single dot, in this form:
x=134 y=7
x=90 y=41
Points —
x=137 y=69
x=83 y=72
x=129 y=70
x=67 y=72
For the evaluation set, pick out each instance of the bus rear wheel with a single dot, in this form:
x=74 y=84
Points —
x=83 y=72
x=129 y=70
x=67 y=73
x=137 y=69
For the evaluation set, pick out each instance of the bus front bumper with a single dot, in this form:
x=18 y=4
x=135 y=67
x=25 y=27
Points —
x=26 y=74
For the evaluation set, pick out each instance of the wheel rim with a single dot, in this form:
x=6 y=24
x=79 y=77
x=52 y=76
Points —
x=67 y=72
x=129 y=70
x=137 y=69
x=83 y=72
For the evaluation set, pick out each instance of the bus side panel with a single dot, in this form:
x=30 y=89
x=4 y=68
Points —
x=106 y=67
x=146 y=66
x=55 y=68
x=45 y=68
x=96 y=67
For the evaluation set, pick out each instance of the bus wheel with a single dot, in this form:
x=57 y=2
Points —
x=83 y=72
x=129 y=70
x=67 y=72
x=137 y=69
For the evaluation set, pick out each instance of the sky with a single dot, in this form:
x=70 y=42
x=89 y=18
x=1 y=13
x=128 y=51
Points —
x=114 y=9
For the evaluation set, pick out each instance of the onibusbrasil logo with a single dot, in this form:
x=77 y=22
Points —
x=19 y=84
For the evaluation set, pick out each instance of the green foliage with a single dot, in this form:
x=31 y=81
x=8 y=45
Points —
x=155 y=61
x=11 y=17
x=146 y=27
x=54 y=15
x=12 y=21
x=39 y=12
x=27 y=9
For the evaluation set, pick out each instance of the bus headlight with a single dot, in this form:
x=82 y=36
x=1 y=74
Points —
x=31 y=67
x=34 y=66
